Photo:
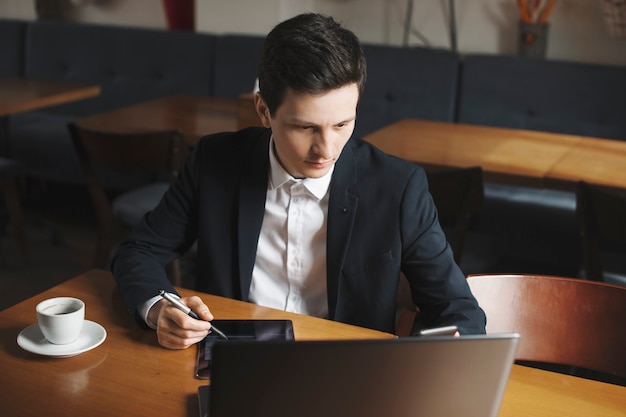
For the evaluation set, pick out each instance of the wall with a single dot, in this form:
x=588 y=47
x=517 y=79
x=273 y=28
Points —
x=577 y=30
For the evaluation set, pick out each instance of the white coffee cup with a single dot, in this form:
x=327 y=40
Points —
x=61 y=319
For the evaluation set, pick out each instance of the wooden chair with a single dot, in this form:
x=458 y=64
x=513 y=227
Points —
x=154 y=153
x=564 y=321
x=9 y=169
x=458 y=195
x=601 y=217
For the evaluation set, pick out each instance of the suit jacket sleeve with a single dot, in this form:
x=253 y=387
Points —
x=438 y=286
x=162 y=235
x=386 y=223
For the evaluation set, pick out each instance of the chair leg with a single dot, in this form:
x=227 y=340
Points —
x=14 y=209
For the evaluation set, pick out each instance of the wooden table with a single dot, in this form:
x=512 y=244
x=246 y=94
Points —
x=129 y=374
x=23 y=94
x=194 y=116
x=519 y=157
x=18 y=94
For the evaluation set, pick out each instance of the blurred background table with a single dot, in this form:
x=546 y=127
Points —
x=597 y=161
x=519 y=157
x=193 y=116
x=19 y=94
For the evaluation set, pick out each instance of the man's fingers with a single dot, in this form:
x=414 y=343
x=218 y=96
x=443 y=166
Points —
x=177 y=330
x=174 y=341
x=197 y=305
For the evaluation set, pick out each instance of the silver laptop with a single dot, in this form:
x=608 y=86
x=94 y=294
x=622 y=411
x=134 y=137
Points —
x=438 y=376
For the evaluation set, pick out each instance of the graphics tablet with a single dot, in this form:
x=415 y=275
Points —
x=237 y=330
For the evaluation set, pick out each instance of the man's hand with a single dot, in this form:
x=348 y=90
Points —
x=177 y=330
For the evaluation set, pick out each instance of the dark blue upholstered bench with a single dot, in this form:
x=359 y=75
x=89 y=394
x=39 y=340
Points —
x=407 y=83
x=131 y=65
x=235 y=64
x=12 y=38
x=550 y=96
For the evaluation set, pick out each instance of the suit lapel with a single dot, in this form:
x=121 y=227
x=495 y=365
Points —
x=252 y=194
x=342 y=208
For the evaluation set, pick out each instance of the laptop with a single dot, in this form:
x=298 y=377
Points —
x=438 y=376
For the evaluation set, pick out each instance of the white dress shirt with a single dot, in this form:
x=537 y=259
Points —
x=290 y=266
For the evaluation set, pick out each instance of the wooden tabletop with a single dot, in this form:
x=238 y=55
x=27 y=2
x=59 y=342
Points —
x=597 y=161
x=130 y=374
x=194 y=116
x=512 y=156
x=535 y=393
x=23 y=94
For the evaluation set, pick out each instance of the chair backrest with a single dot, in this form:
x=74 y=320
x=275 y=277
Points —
x=138 y=152
x=157 y=154
x=563 y=321
x=458 y=195
x=154 y=153
x=602 y=225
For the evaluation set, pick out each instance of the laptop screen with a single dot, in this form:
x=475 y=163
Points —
x=430 y=376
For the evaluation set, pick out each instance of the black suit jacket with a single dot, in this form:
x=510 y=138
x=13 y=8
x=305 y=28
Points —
x=381 y=221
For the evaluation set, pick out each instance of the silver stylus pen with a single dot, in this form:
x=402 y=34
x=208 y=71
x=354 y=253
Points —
x=169 y=297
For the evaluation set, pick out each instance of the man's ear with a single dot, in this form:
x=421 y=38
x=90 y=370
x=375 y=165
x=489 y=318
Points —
x=262 y=110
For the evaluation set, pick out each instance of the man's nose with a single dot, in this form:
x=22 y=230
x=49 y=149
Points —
x=323 y=143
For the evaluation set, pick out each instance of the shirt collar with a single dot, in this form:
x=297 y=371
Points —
x=278 y=176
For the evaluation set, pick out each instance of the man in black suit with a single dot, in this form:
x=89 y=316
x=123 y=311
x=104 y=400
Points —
x=298 y=215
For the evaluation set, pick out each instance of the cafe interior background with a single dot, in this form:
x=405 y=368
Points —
x=586 y=31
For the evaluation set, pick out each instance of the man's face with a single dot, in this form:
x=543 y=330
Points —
x=310 y=130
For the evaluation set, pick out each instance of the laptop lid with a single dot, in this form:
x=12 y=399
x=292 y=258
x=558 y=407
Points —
x=435 y=377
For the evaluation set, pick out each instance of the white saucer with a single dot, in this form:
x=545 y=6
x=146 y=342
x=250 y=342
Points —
x=32 y=340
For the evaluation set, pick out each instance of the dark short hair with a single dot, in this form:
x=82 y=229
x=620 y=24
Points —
x=309 y=53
